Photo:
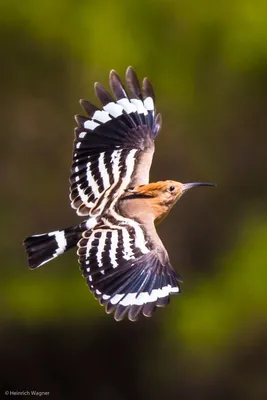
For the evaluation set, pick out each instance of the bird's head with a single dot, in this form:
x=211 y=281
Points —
x=164 y=194
x=167 y=192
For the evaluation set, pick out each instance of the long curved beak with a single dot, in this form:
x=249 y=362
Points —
x=187 y=186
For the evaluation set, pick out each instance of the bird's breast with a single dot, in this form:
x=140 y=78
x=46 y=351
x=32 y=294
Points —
x=136 y=208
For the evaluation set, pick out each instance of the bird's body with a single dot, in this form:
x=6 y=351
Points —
x=121 y=255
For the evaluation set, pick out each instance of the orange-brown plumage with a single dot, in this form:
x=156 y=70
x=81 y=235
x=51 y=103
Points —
x=157 y=198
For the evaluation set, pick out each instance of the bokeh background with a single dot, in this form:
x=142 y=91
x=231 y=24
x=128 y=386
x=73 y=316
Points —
x=208 y=64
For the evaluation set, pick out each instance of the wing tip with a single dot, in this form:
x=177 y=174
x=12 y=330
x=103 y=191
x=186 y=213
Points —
x=130 y=70
x=112 y=73
x=148 y=89
x=102 y=94
x=88 y=107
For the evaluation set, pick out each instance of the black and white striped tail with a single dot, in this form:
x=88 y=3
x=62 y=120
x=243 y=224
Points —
x=45 y=247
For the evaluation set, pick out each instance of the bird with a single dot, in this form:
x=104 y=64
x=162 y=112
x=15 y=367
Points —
x=121 y=256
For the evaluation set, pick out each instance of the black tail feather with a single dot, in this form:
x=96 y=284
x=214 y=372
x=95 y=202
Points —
x=45 y=247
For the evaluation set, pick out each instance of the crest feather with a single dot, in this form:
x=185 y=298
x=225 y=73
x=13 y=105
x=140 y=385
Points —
x=150 y=190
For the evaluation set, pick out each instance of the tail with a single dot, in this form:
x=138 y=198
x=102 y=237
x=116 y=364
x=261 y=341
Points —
x=45 y=247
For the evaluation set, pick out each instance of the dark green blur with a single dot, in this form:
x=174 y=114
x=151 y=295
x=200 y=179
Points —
x=208 y=65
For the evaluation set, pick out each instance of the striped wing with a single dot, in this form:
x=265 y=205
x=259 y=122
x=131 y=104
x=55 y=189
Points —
x=124 y=271
x=113 y=146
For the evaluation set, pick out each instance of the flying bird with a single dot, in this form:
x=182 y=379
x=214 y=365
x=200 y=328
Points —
x=121 y=256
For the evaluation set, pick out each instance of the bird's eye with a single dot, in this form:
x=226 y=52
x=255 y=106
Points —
x=171 y=188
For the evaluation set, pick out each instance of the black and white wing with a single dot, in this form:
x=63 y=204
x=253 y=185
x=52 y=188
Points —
x=113 y=146
x=125 y=271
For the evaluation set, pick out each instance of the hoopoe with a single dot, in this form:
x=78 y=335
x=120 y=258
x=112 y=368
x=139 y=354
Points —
x=121 y=256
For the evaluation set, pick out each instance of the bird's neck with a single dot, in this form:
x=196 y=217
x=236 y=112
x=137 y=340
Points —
x=142 y=207
x=161 y=211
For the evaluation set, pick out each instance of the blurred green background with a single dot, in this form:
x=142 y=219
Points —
x=208 y=65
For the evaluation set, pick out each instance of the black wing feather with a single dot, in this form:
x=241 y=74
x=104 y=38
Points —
x=127 y=279
x=133 y=84
x=102 y=94
x=117 y=86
